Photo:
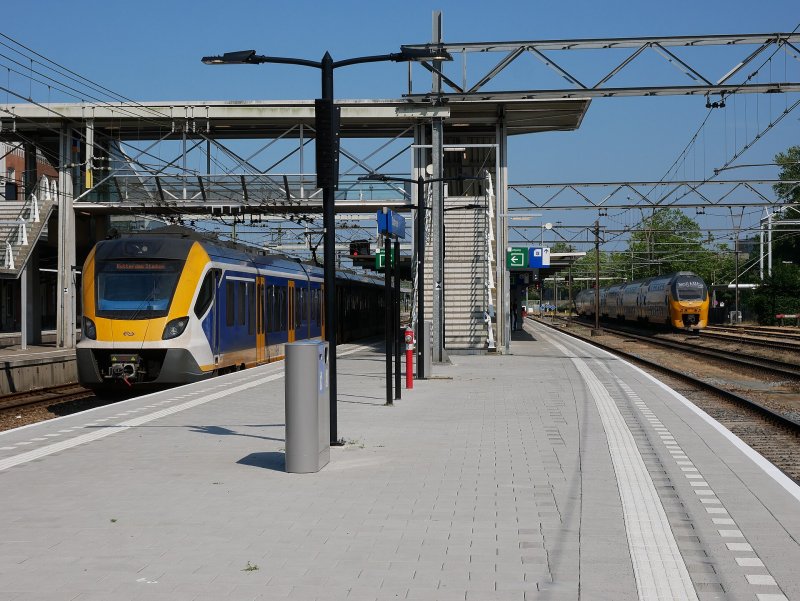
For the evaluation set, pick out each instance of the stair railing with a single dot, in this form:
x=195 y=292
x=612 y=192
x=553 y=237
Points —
x=17 y=234
x=424 y=204
x=490 y=266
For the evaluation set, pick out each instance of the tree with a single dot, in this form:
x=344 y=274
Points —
x=786 y=246
x=777 y=294
x=789 y=162
x=666 y=242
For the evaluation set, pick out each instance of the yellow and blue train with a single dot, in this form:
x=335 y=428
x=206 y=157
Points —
x=167 y=310
x=678 y=300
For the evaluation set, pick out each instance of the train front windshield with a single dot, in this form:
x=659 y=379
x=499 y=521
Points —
x=687 y=288
x=135 y=289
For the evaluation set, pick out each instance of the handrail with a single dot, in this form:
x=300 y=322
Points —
x=17 y=237
x=490 y=311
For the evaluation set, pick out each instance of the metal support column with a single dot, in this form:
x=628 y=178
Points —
x=761 y=249
x=596 y=330
x=437 y=221
x=769 y=245
x=437 y=217
x=31 y=308
x=503 y=279
x=418 y=197
x=65 y=310
x=89 y=154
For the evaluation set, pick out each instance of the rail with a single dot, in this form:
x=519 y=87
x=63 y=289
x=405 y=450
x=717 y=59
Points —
x=755 y=406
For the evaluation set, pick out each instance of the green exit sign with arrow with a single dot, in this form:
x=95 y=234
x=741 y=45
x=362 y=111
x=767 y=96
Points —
x=516 y=258
x=380 y=259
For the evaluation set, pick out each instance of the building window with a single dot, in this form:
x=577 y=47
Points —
x=11 y=185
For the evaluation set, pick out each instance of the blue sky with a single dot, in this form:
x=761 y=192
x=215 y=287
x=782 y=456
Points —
x=151 y=50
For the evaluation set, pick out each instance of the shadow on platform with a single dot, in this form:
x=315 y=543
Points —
x=521 y=336
x=271 y=460
x=220 y=431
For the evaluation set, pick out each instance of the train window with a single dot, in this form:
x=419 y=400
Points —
x=251 y=309
x=283 y=309
x=260 y=307
x=206 y=294
x=229 y=302
x=135 y=289
x=271 y=321
x=242 y=303
x=300 y=310
x=315 y=309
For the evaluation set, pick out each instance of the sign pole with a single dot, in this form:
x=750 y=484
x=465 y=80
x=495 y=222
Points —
x=396 y=318
x=387 y=296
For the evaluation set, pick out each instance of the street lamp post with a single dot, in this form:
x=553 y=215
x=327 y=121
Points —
x=596 y=331
x=326 y=120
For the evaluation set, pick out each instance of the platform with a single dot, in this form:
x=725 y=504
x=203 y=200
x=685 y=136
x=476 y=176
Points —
x=37 y=366
x=555 y=472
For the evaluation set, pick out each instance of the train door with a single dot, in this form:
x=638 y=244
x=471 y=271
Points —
x=261 y=335
x=322 y=310
x=216 y=312
x=290 y=324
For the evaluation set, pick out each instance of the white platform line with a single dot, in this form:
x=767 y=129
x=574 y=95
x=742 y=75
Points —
x=131 y=423
x=669 y=442
x=657 y=562
x=109 y=430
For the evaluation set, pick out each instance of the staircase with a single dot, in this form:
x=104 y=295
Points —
x=22 y=223
x=468 y=281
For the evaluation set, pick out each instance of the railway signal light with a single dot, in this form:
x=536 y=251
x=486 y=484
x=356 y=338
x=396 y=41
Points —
x=359 y=248
x=361 y=254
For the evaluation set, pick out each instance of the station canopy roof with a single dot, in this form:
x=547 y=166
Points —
x=266 y=119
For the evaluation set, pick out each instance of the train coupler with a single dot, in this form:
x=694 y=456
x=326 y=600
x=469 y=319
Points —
x=124 y=367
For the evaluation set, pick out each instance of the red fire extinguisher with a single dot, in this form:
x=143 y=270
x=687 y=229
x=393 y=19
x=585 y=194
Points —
x=409 y=337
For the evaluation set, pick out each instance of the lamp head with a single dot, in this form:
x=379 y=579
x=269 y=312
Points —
x=431 y=52
x=373 y=177
x=240 y=57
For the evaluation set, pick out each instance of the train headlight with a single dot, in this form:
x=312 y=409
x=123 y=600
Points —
x=89 y=329
x=175 y=328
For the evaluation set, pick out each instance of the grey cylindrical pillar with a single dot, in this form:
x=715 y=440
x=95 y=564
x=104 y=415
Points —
x=307 y=407
x=426 y=343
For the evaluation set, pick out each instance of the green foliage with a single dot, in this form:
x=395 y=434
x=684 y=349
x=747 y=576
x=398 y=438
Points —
x=786 y=244
x=790 y=170
x=777 y=294
x=666 y=242
x=562 y=247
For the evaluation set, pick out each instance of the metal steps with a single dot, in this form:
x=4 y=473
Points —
x=22 y=223
x=465 y=276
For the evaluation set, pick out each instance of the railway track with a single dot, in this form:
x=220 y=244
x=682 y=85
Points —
x=44 y=396
x=784 y=341
x=766 y=331
x=782 y=369
x=789 y=420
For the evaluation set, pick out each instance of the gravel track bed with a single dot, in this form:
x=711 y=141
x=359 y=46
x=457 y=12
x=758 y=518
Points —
x=39 y=412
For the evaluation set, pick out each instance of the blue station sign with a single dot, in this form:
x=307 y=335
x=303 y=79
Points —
x=391 y=224
x=538 y=257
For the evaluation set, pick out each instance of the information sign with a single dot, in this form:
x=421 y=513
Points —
x=539 y=257
x=516 y=258
x=380 y=259
x=391 y=224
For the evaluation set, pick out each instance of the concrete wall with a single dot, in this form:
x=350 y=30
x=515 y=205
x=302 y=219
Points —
x=29 y=374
